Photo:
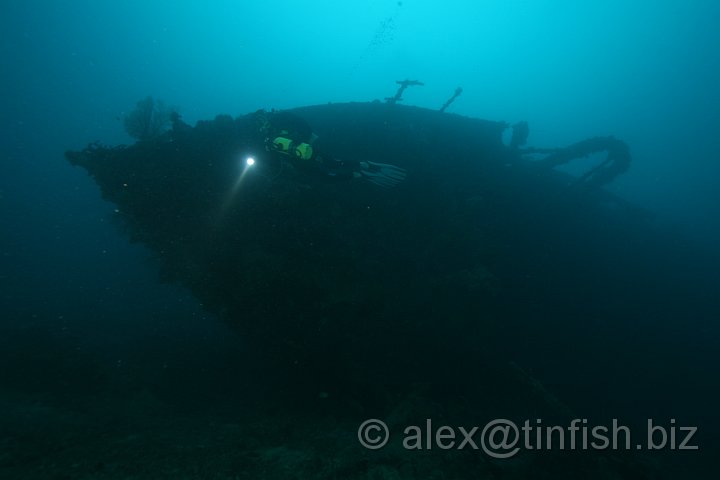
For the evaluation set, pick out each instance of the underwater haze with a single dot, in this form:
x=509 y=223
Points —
x=643 y=71
x=108 y=371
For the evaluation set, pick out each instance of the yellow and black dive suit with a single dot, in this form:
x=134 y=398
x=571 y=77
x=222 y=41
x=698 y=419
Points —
x=288 y=134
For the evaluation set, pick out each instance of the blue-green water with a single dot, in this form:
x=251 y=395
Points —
x=108 y=373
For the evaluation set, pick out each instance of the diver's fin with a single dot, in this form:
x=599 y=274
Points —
x=382 y=174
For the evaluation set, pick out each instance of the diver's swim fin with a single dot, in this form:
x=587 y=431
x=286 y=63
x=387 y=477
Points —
x=382 y=174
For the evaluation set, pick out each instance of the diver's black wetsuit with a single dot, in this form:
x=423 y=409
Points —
x=295 y=128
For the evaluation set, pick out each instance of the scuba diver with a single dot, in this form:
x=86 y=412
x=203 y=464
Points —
x=290 y=135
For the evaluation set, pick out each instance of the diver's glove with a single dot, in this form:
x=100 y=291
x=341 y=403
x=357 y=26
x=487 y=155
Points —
x=381 y=174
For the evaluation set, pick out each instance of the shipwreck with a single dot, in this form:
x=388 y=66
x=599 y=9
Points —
x=444 y=284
